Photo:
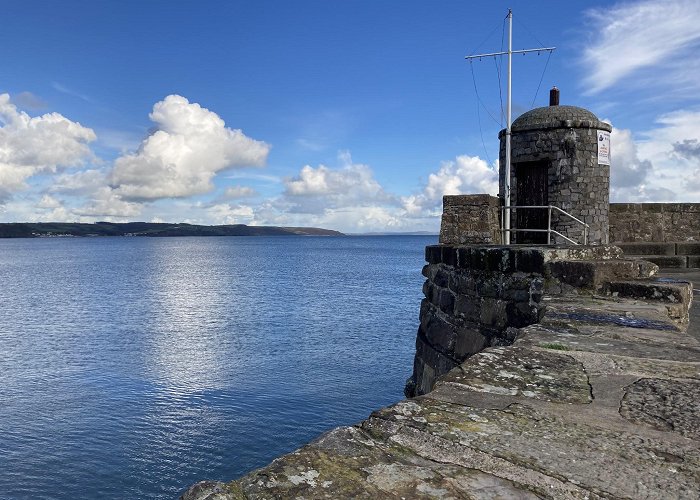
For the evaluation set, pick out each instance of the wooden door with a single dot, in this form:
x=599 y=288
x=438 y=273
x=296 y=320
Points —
x=531 y=190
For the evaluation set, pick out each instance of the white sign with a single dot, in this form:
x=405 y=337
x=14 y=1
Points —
x=603 y=147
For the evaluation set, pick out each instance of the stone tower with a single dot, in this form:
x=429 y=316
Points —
x=560 y=157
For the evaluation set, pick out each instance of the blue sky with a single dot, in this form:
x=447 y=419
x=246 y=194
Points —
x=354 y=115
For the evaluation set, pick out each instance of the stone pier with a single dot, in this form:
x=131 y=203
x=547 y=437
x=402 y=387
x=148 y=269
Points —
x=597 y=397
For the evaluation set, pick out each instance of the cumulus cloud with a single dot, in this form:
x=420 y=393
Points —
x=673 y=147
x=350 y=199
x=688 y=149
x=322 y=188
x=659 y=164
x=48 y=201
x=225 y=213
x=189 y=146
x=34 y=145
x=627 y=169
x=105 y=203
x=463 y=175
x=632 y=37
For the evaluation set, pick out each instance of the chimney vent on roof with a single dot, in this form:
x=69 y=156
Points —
x=554 y=97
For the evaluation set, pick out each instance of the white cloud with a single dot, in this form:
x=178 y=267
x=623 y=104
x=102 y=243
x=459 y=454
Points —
x=631 y=37
x=322 y=188
x=350 y=199
x=33 y=145
x=79 y=183
x=224 y=213
x=238 y=191
x=65 y=90
x=48 y=201
x=670 y=147
x=661 y=164
x=30 y=101
x=106 y=203
x=463 y=175
x=627 y=170
x=189 y=146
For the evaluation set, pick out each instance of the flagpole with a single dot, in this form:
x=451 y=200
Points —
x=506 y=181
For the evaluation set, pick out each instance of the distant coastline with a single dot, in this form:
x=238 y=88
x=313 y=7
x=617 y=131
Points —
x=75 y=229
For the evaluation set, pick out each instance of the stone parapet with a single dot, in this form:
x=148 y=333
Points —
x=470 y=219
x=654 y=222
x=476 y=294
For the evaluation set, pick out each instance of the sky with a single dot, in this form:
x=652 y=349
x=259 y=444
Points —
x=354 y=115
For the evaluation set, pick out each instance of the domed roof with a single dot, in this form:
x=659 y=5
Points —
x=557 y=117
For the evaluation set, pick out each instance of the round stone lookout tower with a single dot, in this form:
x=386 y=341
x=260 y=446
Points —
x=559 y=157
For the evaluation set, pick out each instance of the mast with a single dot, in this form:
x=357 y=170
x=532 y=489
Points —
x=506 y=180
x=506 y=170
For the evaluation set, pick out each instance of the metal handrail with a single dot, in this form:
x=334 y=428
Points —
x=549 y=229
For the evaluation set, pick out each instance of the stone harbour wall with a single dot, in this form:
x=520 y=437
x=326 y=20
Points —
x=476 y=296
x=472 y=295
x=654 y=222
x=597 y=399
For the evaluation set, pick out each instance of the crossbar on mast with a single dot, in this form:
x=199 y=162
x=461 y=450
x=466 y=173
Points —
x=521 y=51
x=509 y=53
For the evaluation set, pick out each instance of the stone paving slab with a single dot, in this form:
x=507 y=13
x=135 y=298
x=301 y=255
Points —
x=599 y=400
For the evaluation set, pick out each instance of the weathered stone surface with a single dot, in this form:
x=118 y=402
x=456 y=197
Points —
x=588 y=390
x=675 y=261
x=647 y=248
x=688 y=248
x=672 y=405
x=478 y=291
x=470 y=219
x=564 y=139
x=549 y=376
x=600 y=399
x=655 y=222
x=677 y=295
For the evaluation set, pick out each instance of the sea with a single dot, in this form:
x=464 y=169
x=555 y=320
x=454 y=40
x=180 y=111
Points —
x=133 y=367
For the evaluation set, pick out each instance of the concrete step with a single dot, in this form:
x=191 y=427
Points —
x=644 y=248
x=671 y=261
x=675 y=294
x=688 y=248
x=592 y=274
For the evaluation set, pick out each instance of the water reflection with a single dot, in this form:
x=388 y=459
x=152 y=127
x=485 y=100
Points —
x=189 y=300
x=133 y=367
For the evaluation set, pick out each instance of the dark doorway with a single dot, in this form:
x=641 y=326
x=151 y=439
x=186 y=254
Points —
x=531 y=191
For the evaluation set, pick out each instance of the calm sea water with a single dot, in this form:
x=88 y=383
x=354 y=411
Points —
x=133 y=367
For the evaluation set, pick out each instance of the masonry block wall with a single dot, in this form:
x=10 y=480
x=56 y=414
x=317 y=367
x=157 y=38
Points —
x=654 y=222
x=474 y=295
x=469 y=219
x=565 y=138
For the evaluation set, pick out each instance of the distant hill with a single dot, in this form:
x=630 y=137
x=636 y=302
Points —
x=62 y=229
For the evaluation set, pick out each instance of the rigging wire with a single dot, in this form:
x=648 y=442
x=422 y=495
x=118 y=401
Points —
x=478 y=114
x=529 y=32
x=549 y=56
x=500 y=94
x=484 y=40
x=471 y=65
